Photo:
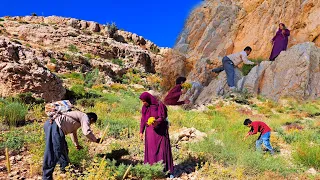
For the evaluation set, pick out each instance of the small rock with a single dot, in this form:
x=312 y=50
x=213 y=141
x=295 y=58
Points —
x=18 y=158
x=312 y=171
x=3 y=168
x=13 y=173
x=185 y=138
x=12 y=158
x=2 y=158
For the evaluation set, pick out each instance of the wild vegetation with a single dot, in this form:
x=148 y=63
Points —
x=222 y=155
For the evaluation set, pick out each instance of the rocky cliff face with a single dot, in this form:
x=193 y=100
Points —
x=220 y=27
x=21 y=71
x=294 y=74
x=35 y=46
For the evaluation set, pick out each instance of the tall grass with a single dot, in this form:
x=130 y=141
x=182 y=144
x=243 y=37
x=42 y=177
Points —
x=13 y=113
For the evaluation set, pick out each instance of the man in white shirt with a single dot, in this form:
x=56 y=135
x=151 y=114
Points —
x=56 y=146
x=230 y=62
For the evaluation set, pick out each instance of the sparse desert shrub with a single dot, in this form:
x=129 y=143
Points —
x=1 y=19
x=68 y=57
x=89 y=56
x=117 y=61
x=154 y=49
x=112 y=29
x=91 y=78
x=14 y=113
x=53 y=60
x=28 y=45
x=73 y=48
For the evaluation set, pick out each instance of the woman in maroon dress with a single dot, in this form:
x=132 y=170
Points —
x=174 y=94
x=280 y=41
x=157 y=142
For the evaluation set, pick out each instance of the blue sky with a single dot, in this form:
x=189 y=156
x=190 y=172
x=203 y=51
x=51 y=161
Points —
x=159 y=21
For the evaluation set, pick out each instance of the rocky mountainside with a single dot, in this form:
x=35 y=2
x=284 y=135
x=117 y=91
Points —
x=220 y=27
x=33 y=47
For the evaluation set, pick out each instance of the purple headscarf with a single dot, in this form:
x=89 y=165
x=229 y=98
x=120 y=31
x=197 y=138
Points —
x=151 y=100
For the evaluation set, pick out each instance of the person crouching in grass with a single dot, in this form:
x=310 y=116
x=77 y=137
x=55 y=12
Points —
x=264 y=129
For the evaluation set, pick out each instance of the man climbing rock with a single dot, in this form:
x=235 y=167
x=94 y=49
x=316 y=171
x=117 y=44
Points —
x=56 y=150
x=263 y=128
x=230 y=62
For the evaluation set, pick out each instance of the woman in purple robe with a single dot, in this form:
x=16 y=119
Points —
x=157 y=142
x=280 y=41
x=174 y=94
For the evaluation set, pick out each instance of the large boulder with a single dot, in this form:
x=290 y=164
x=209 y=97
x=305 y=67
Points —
x=295 y=73
x=217 y=87
x=21 y=71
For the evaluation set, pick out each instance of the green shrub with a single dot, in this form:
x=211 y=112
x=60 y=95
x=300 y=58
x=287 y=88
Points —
x=89 y=56
x=1 y=19
x=112 y=29
x=87 y=102
x=91 y=78
x=14 y=113
x=27 y=98
x=13 y=141
x=77 y=156
x=28 y=45
x=68 y=57
x=246 y=68
x=79 y=91
x=53 y=60
x=145 y=171
x=154 y=49
x=34 y=14
x=73 y=75
x=73 y=48
x=117 y=61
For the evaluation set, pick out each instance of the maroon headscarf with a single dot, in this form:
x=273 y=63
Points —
x=151 y=100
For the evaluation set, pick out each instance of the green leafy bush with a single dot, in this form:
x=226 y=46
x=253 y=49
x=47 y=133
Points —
x=78 y=91
x=13 y=141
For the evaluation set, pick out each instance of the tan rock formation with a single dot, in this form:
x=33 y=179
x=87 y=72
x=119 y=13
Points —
x=21 y=71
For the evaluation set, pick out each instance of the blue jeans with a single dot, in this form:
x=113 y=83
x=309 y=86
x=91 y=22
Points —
x=228 y=66
x=56 y=150
x=265 y=139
